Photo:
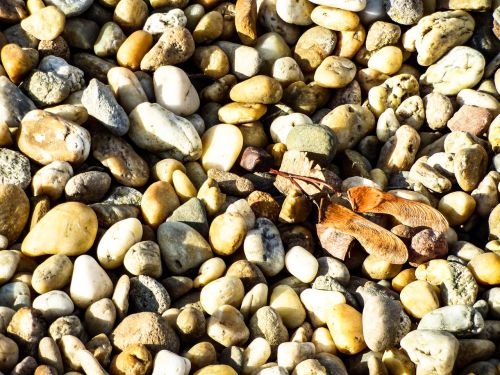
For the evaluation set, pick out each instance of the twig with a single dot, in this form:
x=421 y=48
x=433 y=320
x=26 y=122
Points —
x=312 y=180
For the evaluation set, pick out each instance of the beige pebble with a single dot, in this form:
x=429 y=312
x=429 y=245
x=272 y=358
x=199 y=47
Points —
x=457 y=207
x=288 y=305
x=345 y=325
x=387 y=60
x=227 y=232
x=419 y=298
x=209 y=271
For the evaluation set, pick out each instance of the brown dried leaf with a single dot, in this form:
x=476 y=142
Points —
x=372 y=237
x=411 y=213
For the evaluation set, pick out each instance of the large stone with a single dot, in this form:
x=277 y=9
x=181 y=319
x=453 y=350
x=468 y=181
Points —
x=46 y=24
x=14 y=211
x=69 y=228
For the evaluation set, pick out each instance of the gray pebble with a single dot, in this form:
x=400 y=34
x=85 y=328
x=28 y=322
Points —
x=231 y=183
x=87 y=187
x=329 y=266
x=16 y=34
x=26 y=367
x=109 y=40
x=13 y=103
x=493 y=298
x=109 y=214
x=15 y=295
x=100 y=103
x=460 y=320
x=471 y=350
x=81 y=33
x=67 y=325
x=483 y=368
x=381 y=322
x=267 y=323
x=14 y=168
x=71 y=8
x=405 y=12
x=124 y=195
x=193 y=214
x=147 y=294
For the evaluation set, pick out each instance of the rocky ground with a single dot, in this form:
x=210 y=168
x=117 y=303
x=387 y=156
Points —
x=262 y=187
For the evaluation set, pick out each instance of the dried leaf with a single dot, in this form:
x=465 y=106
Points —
x=372 y=237
x=411 y=213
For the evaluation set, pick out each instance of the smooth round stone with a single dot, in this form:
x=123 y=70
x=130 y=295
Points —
x=174 y=47
x=295 y=13
x=130 y=15
x=287 y=304
x=345 y=325
x=431 y=351
x=241 y=113
x=255 y=355
x=382 y=34
x=379 y=269
x=263 y=247
x=27 y=327
x=117 y=240
x=259 y=89
x=100 y=103
x=89 y=282
x=54 y=304
x=144 y=258
x=419 y=298
x=227 y=233
x=387 y=60
x=314 y=45
x=182 y=247
x=319 y=303
x=216 y=370
x=156 y=129
x=319 y=141
x=53 y=273
x=212 y=60
x=183 y=186
x=451 y=74
x=109 y=40
x=190 y=323
x=15 y=295
x=381 y=322
x=158 y=202
x=331 y=267
x=81 y=33
x=126 y=166
x=87 y=187
x=254 y=299
x=291 y=354
x=271 y=46
x=227 y=327
x=209 y=271
x=223 y=291
x=457 y=207
x=46 y=24
x=335 y=72
x=282 y=125
x=9 y=353
x=8 y=264
x=14 y=168
x=147 y=294
x=286 y=71
x=244 y=60
x=69 y=228
x=486 y=268
x=209 y=27
x=71 y=8
x=45 y=137
x=350 y=123
x=301 y=264
x=136 y=357
x=334 y=18
x=70 y=112
x=147 y=328
x=18 y=62
x=164 y=169
x=460 y=320
x=168 y=363
x=352 y=5
x=13 y=103
x=133 y=49
x=127 y=88
x=221 y=146
x=404 y=12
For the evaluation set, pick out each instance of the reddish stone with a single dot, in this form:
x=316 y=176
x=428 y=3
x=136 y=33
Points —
x=474 y=120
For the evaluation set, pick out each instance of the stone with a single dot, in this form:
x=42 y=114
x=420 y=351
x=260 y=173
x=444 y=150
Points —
x=147 y=294
x=156 y=129
x=245 y=61
x=136 y=357
x=69 y=229
x=14 y=168
x=298 y=13
x=221 y=146
x=146 y=328
x=92 y=66
x=18 y=61
x=451 y=65
x=13 y=11
x=287 y=304
x=350 y=123
x=404 y=13
x=124 y=164
x=144 y=258
x=10 y=353
x=46 y=24
x=192 y=213
x=226 y=326
x=426 y=245
x=313 y=46
x=133 y=49
x=241 y=113
x=334 y=18
x=475 y=120
x=438 y=110
x=263 y=247
x=52 y=274
x=158 y=202
x=174 y=91
x=45 y=138
x=127 y=88
x=117 y=240
x=27 y=327
x=216 y=370
x=378 y=268
x=387 y=60
x=345 y=324
x=71 y=8
x=89 y=282
x=109 y=40
x=291 y=354
x=381 y=322
x=381 y=34
x=175 y=46
x=459 y=320
x=302 y=264
x=485 y=267
x=9 y=261
x=227 y=232
x=53 y=305
x=81 y=33
x=130 y=15
x=100 y=103
x=15 y=295
x=258 y=89
x=191 y=324
x=335 y=72
x=67 y=325
x=87 y=187
x=267 y=323
x=317 y=140
x=182 y=247
x=14 y=104
x=223 y=291
x=426 y=301
x=212 y=60
x=167 y=362
x=457 y=207
x=431 y=351
x=229 y=183
x=57 y=47
x=246 y=21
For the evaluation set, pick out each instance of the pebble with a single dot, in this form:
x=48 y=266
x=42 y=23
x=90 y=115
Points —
x=52 y=274
x=100 y=103
x=14 y=104
x=334 y=18
x=147 y=294
x=15 y=168
x=46 y=24
x=267 y=323
x=319 y=141
x=226 y=326
x=301 y=264
x=182 y=247
x=223 y=291
x=143 y=258
x=87 y=187
x=158 y=23
x=431 y=351
x=109 y=40
x=287 y=304
x=221 y=146
x=53 y=305
x=404 y=12
x=71 y=8
x=135 y=357
x=18 y=61
x=133 y=49
x=89 y=282
x=419 y=298
x=485 y=268
x=167 y=362
x=345 y=325
x=156 y=129
x=457 y=207
x=10 y=353
x=460 y=320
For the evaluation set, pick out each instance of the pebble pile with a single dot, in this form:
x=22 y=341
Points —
x=143 y=233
